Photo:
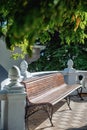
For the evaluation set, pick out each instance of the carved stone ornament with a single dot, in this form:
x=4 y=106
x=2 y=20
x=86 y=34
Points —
x=14 y=85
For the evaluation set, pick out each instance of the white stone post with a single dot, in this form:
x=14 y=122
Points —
x=70 y=74
x=24 y=72
x=13 y=108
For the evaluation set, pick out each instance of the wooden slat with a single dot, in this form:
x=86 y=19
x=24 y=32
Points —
x=49 y=88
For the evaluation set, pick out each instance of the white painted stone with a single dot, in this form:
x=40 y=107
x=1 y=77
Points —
x=6 y=59
x=24 y=67
x=13 y=109
x=70 y=74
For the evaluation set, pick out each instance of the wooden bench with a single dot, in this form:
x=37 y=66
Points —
x=45 y=91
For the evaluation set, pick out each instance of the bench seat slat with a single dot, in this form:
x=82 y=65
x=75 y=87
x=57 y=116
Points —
x=54 y=95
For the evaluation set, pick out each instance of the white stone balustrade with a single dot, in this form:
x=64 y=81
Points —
x=13 y=106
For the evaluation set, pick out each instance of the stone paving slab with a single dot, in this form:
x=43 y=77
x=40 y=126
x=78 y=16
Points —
x=63 y=118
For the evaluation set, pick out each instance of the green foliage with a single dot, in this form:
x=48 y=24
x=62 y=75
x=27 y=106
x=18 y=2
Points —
x=29 y=20
x=56 y=56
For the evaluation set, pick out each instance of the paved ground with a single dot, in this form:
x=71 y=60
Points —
x=63 y=118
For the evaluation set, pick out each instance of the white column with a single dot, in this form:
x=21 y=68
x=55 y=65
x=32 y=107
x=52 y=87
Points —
x=13 y=109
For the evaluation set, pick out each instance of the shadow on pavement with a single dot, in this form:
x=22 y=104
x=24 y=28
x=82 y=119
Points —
x=39 y=117
x=80 y=128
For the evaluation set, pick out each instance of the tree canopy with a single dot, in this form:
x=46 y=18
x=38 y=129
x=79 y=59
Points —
x=56 y=55
x=23 y=22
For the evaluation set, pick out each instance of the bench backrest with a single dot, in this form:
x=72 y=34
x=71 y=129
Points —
x=42 y=84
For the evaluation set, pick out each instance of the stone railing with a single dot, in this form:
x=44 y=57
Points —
x=71 y=75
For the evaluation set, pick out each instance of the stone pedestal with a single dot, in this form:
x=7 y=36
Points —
x=12 y=116
x=13 y=108
x=70 y=74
